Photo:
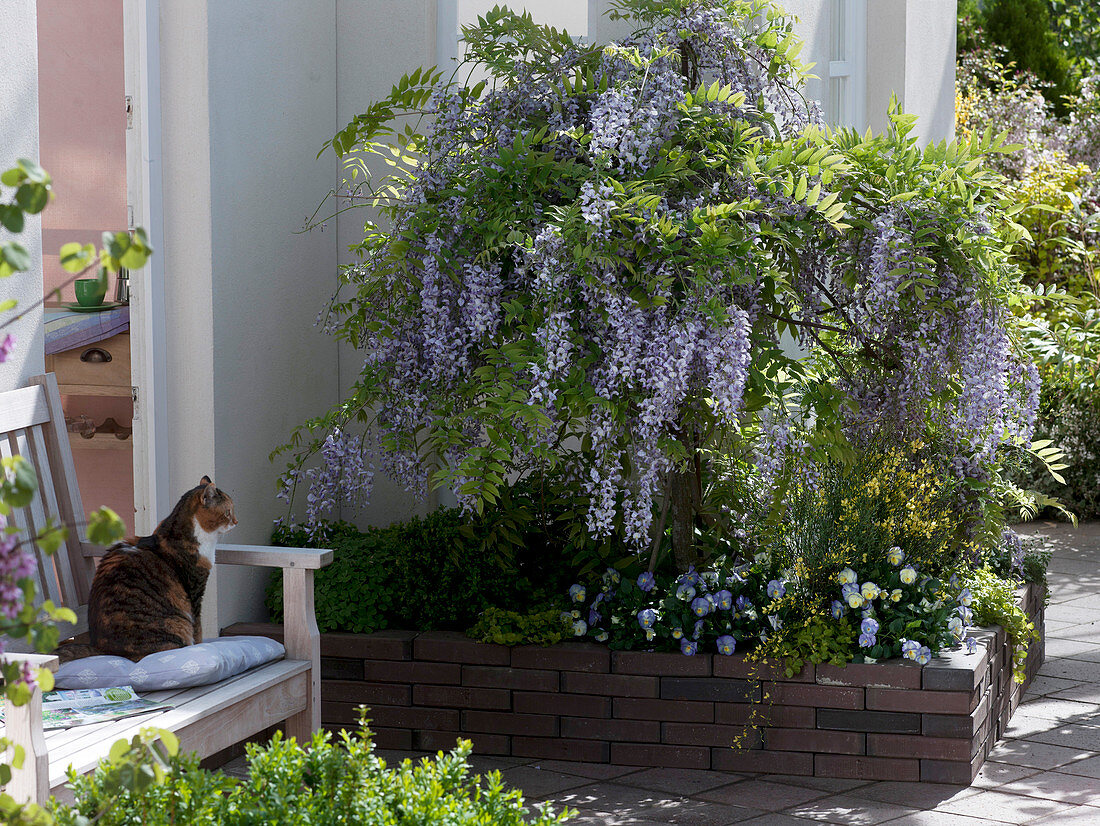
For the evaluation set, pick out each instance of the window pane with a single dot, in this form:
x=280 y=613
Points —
x=838 y=41
x=838 y=101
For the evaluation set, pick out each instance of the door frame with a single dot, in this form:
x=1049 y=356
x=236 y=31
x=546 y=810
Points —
x=144 y=183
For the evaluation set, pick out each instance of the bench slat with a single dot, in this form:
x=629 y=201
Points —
x=25 y=407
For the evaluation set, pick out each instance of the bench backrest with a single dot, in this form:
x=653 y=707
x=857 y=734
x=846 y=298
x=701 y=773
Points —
x=32 y=425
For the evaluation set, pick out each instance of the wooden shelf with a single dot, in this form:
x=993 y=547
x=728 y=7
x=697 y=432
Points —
x=100 y=441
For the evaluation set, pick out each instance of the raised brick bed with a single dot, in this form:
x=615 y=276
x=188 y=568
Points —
x=579 y=701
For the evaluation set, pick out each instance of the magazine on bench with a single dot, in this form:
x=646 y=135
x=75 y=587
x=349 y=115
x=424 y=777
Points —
x=84 y=706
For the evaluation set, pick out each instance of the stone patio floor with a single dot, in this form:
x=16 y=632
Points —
x=1045 y=771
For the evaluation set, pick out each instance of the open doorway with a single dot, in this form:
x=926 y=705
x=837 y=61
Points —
x=83 y=121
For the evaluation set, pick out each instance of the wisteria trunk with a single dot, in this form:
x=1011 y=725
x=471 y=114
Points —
x=682 y=508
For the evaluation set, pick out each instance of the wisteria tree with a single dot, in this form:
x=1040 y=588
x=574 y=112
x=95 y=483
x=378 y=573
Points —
x=617 y=260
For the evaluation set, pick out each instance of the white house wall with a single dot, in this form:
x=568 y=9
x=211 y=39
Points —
x=19 y=139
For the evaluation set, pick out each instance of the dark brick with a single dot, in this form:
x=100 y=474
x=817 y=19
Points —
x=572 y=656
x=709 y=689
x=572 y=705
x=660 y=664
x=955 y=670
x=739 y=667
x=952 y=771
x=933 y=702
x=679 y=711
x=821 y=696
x=412 y=673
x=520 y=679
x=415 y=717
x=499 y=722
x=764 y=714
x=891 y=674
x=450 y=696
x=634 y=731
x=613 y=685
x=392 y=738
x=698 y=734
x=800 y=739
x=333 y=668
x=381 y=645
x=445 y=741
x=354 y=691
x=557 y=748
x=757 y=760
x=342 y=714
x=866 y=768
x=673 y=757
x=915 y=745
x=894 y=722
x=453 y=647
x=957 y=725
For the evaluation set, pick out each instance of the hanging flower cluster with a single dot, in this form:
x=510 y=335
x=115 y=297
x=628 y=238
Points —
x=594 y=261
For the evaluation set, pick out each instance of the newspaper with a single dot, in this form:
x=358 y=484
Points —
x=84 y=706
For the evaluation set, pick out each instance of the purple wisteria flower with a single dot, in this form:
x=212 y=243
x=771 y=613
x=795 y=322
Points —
x=6 y=347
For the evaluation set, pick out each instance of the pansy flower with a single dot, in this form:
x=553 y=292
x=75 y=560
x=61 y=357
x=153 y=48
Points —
x=870 y=591
x=650 y=634
x=965 y=598
x=848 y=589
x=965 y=614
x=908 y=574
x=869 y=626
x=594 y=616
x=677 y=633
x=776 y=589
x=956 y=628
x=688 y=648
x=601 y=636
x=910 y=649
x=855 y=600
x=580 y=628
x=726 y=644
x=895 y=556
x=971 y=645
x=685 y=591
x=577 y=593
x=697 y=630
x=847 y=576
x=724 y=600
x=776 y=622
x=924 y=656
x=895 y=595
x=700 y=606
x=612 y=576
x=866 y=640
x=647 y=617
x=837 y=609
x=646 y=581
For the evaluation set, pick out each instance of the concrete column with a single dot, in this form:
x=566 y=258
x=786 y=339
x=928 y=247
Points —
x=19 y=139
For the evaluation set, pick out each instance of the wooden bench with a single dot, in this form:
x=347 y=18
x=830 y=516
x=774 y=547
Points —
x=207 y=719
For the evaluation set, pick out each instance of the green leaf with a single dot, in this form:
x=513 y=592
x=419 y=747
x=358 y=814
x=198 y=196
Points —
x=15 y=255
x=76 y=257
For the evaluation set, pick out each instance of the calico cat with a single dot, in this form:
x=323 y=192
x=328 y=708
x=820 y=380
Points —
x=147 y=593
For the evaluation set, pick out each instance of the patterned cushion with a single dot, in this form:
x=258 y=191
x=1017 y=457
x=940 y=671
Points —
x=207 y=662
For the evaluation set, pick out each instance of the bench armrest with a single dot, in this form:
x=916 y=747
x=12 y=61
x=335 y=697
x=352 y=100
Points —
x=271 y=557
x=49 y=661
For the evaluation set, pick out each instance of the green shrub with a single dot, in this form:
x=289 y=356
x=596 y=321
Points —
x=434 y=572
x=504 y=627
x=331 y=783
x=994 y=603
x=1024 y=28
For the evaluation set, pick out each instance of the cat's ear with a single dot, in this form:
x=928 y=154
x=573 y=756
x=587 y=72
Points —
x=209 y=492
x=206 y=480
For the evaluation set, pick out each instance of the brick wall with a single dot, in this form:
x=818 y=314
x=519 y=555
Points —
x=580 y=701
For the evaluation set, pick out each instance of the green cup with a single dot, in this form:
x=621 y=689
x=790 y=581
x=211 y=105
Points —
x=89 y=292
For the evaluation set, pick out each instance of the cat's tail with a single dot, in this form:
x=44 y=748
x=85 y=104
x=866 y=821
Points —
x=69 y=651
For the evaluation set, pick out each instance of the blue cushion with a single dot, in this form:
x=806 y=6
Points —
x=207 y=662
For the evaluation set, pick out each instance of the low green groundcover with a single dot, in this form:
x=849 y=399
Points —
x=330 y=784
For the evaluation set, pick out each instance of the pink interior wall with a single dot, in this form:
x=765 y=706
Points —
x=82 y=123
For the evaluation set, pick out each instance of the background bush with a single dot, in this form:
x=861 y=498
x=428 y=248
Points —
x=440 y=571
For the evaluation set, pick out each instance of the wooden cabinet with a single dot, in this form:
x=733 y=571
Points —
x=100 y=369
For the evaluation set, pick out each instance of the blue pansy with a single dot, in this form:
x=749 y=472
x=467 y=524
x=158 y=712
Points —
x=688 y=648
x=577 y=593
x=647 y=617
x=726 y=644
x=837 y=609
x=724 y=600
x=776 y=589
x=700 y=606
x=646 y=581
